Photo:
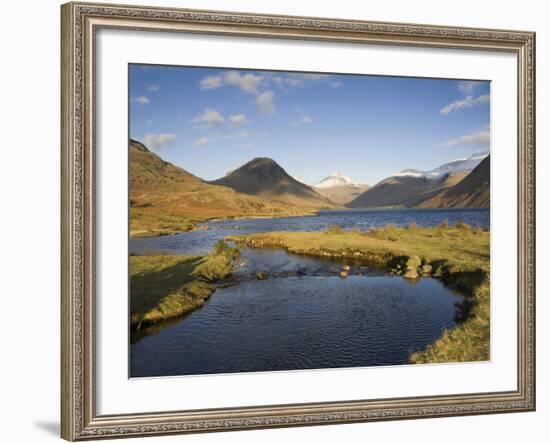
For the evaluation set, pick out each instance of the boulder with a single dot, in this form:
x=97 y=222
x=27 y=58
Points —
x=261 y=275
x=426 y=269
x=343 y=274
x=411 y=274
x=413 y=262
x=346 y=268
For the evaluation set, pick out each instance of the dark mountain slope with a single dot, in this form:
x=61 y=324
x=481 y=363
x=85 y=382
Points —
x=472 y=192
x=265 y=178
x=403 y=190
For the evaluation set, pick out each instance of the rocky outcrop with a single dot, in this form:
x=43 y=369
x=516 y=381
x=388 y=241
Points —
x=414 y=267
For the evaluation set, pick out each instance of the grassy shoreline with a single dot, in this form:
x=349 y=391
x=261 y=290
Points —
x=168 y=286
x=459 y=255
x=185 y=225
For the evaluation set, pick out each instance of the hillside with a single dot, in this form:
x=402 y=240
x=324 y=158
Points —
x=263 y=177
x=410 y=187
x=472 y=192
x=404 y=190
x=342 y=195
x=165 y=198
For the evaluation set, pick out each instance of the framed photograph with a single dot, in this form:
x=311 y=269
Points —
x=282 y=221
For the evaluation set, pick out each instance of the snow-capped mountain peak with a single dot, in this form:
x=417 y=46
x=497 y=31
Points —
x=459 y=165
x=337 y=179
x=409 y=173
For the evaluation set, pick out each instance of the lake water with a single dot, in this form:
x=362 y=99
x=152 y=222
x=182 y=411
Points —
x=201 y=242
x=304 y=316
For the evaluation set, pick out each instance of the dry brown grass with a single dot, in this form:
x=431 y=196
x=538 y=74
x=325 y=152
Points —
x=165 y=199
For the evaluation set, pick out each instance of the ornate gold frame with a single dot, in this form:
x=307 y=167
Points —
x=80 y=21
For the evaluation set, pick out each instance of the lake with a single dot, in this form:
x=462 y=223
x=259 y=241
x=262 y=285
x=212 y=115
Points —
x=304 y=316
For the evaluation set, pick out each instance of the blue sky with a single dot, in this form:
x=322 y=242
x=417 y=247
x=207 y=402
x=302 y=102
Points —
x=210 y=121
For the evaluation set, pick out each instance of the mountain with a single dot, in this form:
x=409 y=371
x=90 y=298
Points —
x=410 y=187
x=471 y=192
x=340 y=188
x=454 y=166
x=301 y=180
x=459 y=165
x=165 y=198
x=404 y=190
x=148 y=170
x=264 y=177
x=337 y=179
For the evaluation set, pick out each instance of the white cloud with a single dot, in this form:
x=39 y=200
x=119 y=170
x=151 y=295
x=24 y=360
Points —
x=477 y=139
x=211 y=82
x=202 y=141
x=247 y=82
x=155 y=142
x=468 y=86
x=296 y=79
x=265 y=102
x=238 y=119
x=259 y=86
x=153 y=88
x=314 y=77
x=303 y=119
x=246 y=145
x=210 y=117
x=468 y=102
x=256 y=84
x=142 y=100
x=291 y=80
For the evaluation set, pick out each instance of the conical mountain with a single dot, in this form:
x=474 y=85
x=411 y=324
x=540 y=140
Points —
x=265 y=178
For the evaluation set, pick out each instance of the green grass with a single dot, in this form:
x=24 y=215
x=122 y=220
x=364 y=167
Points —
x=167 y=286
x=459 y=253
x=467 y=342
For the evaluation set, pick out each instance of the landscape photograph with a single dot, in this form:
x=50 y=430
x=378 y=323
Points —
x=286 y=220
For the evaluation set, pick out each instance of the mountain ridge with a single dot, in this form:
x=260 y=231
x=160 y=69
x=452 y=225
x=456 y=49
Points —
x=410 y=187
x=472 y=192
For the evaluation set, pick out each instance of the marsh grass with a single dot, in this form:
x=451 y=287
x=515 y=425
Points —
x=459 y=253
x=388 y=232
x=334 y=230
x=167 y=286
x=467 y=342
